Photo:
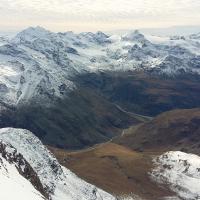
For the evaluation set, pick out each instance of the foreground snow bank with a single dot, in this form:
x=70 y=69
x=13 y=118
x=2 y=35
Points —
x=58 y=181
x=181 y=171
x=15 y=186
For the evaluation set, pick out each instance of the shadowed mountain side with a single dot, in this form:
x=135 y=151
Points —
x=82 y=119
x=143 y=92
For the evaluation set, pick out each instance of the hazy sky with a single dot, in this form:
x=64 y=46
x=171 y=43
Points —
x=92 y=15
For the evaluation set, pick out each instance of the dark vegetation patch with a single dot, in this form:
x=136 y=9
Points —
x=102 y=106
x=145 y=93
x=82 y=119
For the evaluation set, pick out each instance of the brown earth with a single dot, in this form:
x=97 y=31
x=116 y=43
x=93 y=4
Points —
x=114 y=168
x=173 y=130
x=122 y=165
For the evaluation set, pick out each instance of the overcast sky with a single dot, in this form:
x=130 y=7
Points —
x=92 y=15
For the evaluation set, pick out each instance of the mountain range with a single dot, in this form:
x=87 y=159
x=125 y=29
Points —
x=39 y=63
x=58 y=84
x=120 y=112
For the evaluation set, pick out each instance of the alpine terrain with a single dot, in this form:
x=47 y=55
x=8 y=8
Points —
x=84 y=111
x=73 y=90
x=27 y=164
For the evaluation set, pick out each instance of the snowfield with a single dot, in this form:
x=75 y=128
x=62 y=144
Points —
x=58 y=181
x=181 y=171
x=15 y=186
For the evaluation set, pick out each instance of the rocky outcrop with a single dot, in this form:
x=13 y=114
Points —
x=34 y=161
x=24 y=168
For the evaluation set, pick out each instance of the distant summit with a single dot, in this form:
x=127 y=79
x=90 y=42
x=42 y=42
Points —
x=134 y=36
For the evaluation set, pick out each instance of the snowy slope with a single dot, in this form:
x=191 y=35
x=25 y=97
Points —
x=3 y=40
x=181 y=171
x=38 y=64
x=15 y=186
x=59 y=182
x=177 y=170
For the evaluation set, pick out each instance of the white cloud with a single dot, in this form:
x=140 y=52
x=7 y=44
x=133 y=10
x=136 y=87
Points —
x=98 y=14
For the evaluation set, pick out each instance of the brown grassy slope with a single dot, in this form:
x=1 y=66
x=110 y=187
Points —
x=115 y=169
x=173 y=130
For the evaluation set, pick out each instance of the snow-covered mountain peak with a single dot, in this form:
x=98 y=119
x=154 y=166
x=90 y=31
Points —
x=31 y=33
x=134 y=36
x=57 y=181
x=68 y=34
x=102 y=34
x=43 y=62
x=99 y=37
x=195 y=36
x=3 y=40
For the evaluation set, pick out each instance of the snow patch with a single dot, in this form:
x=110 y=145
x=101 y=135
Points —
x=181 y=171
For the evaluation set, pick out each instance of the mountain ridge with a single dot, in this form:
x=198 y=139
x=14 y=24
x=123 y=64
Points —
x=57 y=181
x=84 y=76
x=46 y=60
x=173 y=130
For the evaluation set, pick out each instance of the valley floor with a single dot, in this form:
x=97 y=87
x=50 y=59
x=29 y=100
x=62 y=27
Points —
x=116 y=169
